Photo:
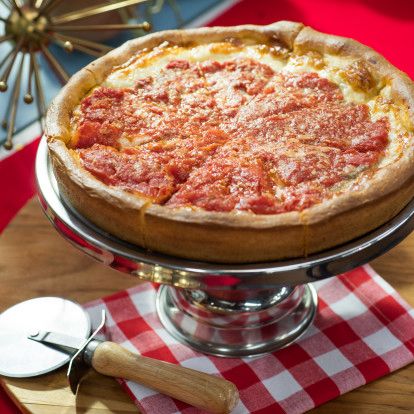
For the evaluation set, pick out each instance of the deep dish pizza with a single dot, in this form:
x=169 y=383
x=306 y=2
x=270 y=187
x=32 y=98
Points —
x=237 y=144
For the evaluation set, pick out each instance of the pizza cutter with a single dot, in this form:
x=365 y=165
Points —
x=22 y=358
x=26 y=351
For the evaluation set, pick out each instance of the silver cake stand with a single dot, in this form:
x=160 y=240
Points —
x=226 y=310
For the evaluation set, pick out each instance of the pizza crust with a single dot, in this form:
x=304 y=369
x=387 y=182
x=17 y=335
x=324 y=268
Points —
x=235 y=237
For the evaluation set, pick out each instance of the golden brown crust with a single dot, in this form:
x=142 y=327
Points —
x=237 y=236
x=309 y=39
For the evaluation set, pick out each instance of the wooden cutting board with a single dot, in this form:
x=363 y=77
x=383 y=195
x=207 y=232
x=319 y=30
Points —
x=36 y=261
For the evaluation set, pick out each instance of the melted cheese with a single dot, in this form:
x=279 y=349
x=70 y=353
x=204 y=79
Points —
x=354 y=79
x=151 y=63
x=331 y=67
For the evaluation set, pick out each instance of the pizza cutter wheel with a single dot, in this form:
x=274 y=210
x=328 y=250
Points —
x=40 y=335
x=21 y=357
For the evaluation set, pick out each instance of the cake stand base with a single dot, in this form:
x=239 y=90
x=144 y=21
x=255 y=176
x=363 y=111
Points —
x=238 y=323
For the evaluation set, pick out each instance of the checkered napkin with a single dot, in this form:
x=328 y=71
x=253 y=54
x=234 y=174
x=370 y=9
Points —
x=363 y=330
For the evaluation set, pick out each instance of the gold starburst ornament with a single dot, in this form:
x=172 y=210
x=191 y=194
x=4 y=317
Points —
x=32 y=26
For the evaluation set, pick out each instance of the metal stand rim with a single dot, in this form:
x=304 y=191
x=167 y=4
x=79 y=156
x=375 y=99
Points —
x=173 y=270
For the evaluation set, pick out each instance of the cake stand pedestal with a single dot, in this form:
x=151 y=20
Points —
x=226 y=310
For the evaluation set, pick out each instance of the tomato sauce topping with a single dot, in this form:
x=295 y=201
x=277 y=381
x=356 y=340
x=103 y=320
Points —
x=225 y=136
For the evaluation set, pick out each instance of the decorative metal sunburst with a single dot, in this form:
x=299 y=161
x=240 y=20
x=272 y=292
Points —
x=32 y=26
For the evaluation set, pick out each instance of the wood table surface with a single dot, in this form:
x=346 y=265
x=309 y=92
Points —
x=36 y=261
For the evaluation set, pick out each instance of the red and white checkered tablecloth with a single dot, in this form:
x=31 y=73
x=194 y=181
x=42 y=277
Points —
x=363 y=330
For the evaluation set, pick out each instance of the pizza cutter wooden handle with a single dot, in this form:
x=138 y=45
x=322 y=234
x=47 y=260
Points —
x=201 y=390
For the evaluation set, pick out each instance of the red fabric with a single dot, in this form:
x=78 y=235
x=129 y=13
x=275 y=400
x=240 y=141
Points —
x=17 y=182
x=7 y=406
x=363 y=331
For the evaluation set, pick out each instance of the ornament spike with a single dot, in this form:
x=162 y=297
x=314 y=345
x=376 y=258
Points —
x=79 y=47
x=16 y=7
x=54 y=64
x=14 y=104
x=66 y=45
x=38 y=3
x=88 y=51
x=40 y=98
x=28 y=97
x=49 y=6
x=4 y=122
x=70 y=46
x=83 y=42
x=3 y=62
x=94 y=10
x=61 y=28
x=46 y=7
x=5 y=76
x=5 y=37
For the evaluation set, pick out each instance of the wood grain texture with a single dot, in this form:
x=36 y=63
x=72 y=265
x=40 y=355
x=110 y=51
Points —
x=36 y=261
x=196 y=388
